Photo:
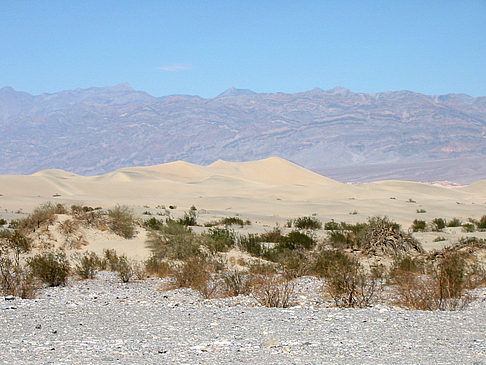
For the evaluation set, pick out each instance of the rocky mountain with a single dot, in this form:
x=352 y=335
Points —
x=96 y=130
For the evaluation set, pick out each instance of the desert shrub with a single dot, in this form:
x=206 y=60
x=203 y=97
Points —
x=471 y=242
x=380 y=235
x=261 y=267
x=2 y=222
x=229 y=221
x=406 y=263
x=69 y=227
x=418 y=225
x=454 y=222
x=15 y=242
x=189 y=218
x=439 y=239
x=273 y=236
x=139 y=270
x=350 y=286
x=86 y=265
x=331 y=226
x=124 y=268
x=451 y=274
x=307 y=223
x=122 y=221
x=325 y=260
x=341 y=239
x=443 y=289
x=438 y=224
x=298 y=240
x=52 y=268
x=88 y=216
x=154 y=224
x=272 y=291
x=481 y=223
x=251 y=244
x=347 y=282
x=157 y=267
x=195 y=273
x=468 y=227
x=421 y=211
x=174 y=241
x=15 y=279
x=42 y=215
x=236 y=283
x=219 y=239
x=422 y=292
x=294 y=263
x=110 y=260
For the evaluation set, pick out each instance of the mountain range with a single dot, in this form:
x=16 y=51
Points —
x=346 y=135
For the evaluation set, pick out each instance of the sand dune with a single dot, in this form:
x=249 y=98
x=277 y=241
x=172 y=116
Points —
x=270 y=190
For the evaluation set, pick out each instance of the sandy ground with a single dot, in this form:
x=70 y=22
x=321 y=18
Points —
x=267 y=192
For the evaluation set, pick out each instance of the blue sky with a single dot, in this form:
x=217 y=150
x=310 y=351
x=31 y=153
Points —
x=204 y=47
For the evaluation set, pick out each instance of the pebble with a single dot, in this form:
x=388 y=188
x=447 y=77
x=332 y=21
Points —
x=104 y=321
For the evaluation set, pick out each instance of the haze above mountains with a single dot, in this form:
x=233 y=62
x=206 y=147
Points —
x=345 y=135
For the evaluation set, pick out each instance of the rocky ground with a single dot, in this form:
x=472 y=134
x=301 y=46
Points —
x=106 y=321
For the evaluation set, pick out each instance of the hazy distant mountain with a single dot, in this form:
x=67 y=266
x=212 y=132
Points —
x=234 y=92
x=96 y=130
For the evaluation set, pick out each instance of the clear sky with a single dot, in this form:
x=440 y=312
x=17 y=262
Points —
x=204 y=47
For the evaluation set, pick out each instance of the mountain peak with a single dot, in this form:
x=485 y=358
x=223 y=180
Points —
x=232 y=91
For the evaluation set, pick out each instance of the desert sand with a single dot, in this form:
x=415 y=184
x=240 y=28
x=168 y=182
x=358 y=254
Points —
x=267 y=192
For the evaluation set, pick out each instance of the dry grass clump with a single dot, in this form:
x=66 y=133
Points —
x=86 y=264
x=442 y=285
x=15 y=277
x=272 y=290
x=378 y=236
x=42 y=216
x=347 y=281
x=236 y=283
x=196 y=273
x=121 y=221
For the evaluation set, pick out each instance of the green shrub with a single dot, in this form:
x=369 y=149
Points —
x=2 y=222
x=110 y=260
x=52 y=268
x=481 y=224
x=454 y=222
x=220 y=239
x=236 y=283
x=42 y=215
x=307 y=223
x=122 y=221
x=438 y=224
x=251 y=244
x=174 y=241
x=419 y=225
x=195 y=273
x=189 y=219
x=349 y=286
x=86 y=265
x=157 y=267
x=124 y=269
x=468 y=227
x=332 y=226
x=154 y=224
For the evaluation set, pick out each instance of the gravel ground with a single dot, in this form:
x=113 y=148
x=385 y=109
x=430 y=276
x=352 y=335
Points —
x=104 y=321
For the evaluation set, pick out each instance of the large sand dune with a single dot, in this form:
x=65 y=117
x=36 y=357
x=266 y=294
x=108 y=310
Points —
x=271 y=190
